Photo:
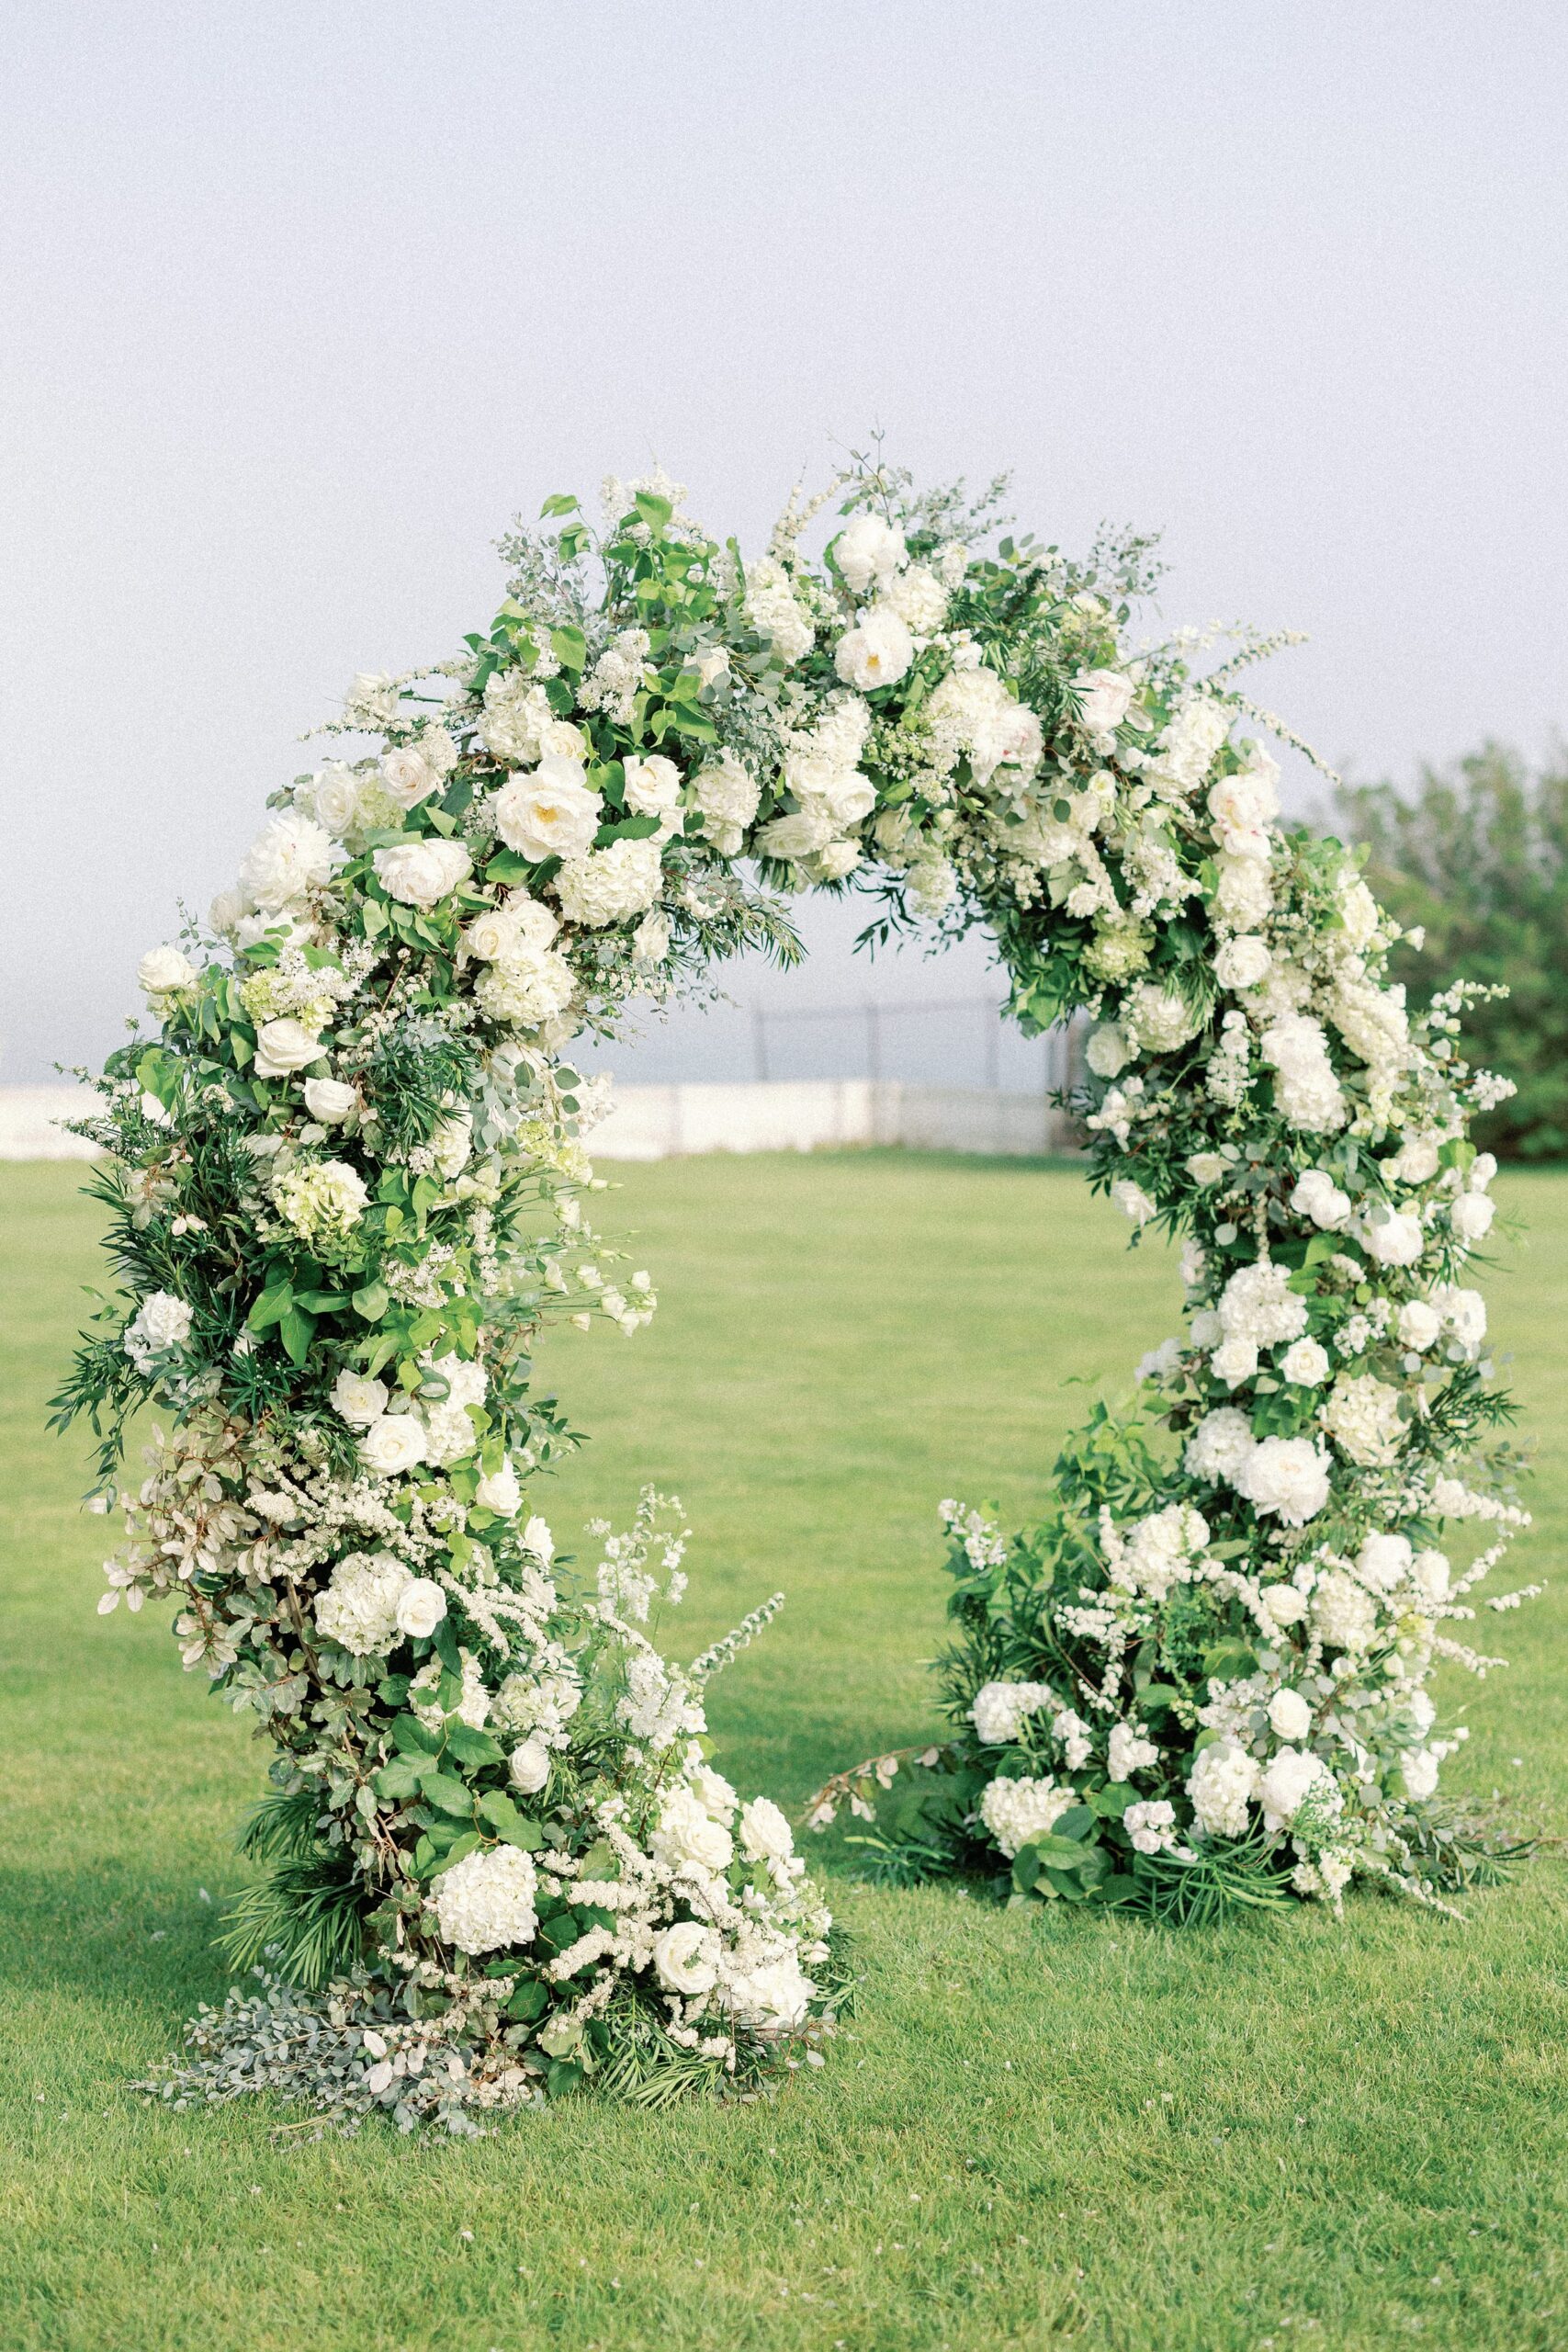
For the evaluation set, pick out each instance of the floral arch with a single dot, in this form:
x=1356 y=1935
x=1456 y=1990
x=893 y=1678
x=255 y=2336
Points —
x=348 y=1182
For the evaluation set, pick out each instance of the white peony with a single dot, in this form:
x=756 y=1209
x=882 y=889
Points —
x=868 y=549
x=292 y=856
x=877 y=653
x=358 y=1401
x=330 y=1100
x=1285 y=1477
x=422 y=873
x=611 y=883
x=688 y=1840
x=287 y=1045
x=684 y=1958
x=163 y=969
x=551 y=814
x=394 y=1442
x=1464 y=1313
x=1104 y=698
x=1383 y=1561
x=422 y=1605
x=485 y=1901
x=1016 y=1811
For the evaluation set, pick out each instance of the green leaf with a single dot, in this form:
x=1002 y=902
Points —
x=296 y=1330
x=569 y=646
x=530 y=2000
x=321 y=1302
x=471 y=1746
x=1228 y=1660
x=1079 y=1821
x=565 y=2076
x=271 y=1306
x=372 y=1301
x=558 y=502
x=653 y=510
x=397 y=1780
x=1060 y=1853
x=453 y=1796
x=412 y=1736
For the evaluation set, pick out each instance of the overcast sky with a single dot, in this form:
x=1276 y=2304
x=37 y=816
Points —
x=303 y=303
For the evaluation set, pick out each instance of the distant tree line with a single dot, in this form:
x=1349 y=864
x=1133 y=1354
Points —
x=1478 y=855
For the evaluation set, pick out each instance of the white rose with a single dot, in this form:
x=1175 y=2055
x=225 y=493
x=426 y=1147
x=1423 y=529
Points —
x=1421 y=1768
x=408 y=774
x=538 y=1539
x=688 y=1839
x=1133 y=1201
x=550 y=813
x=162 y=1323
x=293 y=855
x=529 y=1766
x=1383 y=1561
x=1305 y=1363
x=422 y=1605
x=394 y=1442
x=422 y=873
x=1282 y=1605
x=1243 y=962
x=683 y=1956
x=868 y=548
x=162 y=969
x=1318 y=1195
x=1470 y=1216
x=1108 y=1053
x=1207 y=1167
x=653 y=790
x=330 y=1100
x=334 y=797
x=1420 y=1325
x=1395 y=1240
x=875 y=654
x=284 y=1046
x=764 y=1833
x=1234 y=1361
x=650 y=940
x=500 y=1491
x=1289 y=1716
x=1105 y=697
x=357 y=1400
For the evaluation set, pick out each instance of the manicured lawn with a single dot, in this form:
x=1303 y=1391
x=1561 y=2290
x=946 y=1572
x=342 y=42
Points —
x=1039 y=2131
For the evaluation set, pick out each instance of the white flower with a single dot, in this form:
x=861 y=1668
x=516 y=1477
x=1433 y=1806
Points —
x=358 y=1401
x=1393 y=1238
x=161 y=1324
x=868 y=549
x=411 y=771
x=1285 y=1785
x=334 y=797
x=1220 y=1785
x=323 y=1201
x=163 y=969
x=1108 y=1052
x=1362 y=1416
x=1133 y=1201
x=773 y=613
x=1419 y=1766
x=1104 y=696
x=294 y=855
x=328 y=1100
x=1305 y=1363
x=451 y=1140
x=394 y=1442
x=684 y=1957
x=1244 y=892
x=1358 y=910
x=1258 y=1304
x=1281 y=1605
x=500 y=1490
x=875 y=654
x=1285 y=1477
x=653 y=790
x=1305 y=1088
x=764 y=1833
x=1289 y=1717
x=538 y=1539
x=1429 y=1573
x=422 y=873
x=1235 y=1360
x=772 y=1998
x=1470 y=1216
x=485 y=1901
x=688 y=1840
x=609 y=883
x=999 y=1708
x=527 y=986
x=1383 y=1561
x=1161 y=1363
x=422 y=1605
x=359 y=1608
x=1206 y=1168
x=1243 y=962
x=1151 y=1826
x=725 y=793
x=650 y=940
x=1317 y=1196
x=1016 y=1811
x=1344 y=1613
x=551 y=814
x=714 y=1792
x=1160 y=1020
x=1128 y=1751
x=1464 y=1313
x=919 y=598
x=528 y=1766
x=1220 y=1447
x=284 y=1047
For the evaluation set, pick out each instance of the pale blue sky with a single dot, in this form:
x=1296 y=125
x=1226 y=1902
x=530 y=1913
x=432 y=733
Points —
x=301 y=303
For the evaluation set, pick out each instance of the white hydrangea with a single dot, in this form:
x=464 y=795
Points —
x=1220 y=1447
x=1158 y=1018
x=1308 y=1093
x=999 y=1710
x=1344 y=1614
x=1362 y=1416
x=1257 y=1304
x=359 y=1609
x=486 y=1902
x=774 y=612
x=1016 y=1811
x=610 y=885
x=1221 y=1786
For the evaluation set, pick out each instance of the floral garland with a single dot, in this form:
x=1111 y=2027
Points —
x=348 y=1185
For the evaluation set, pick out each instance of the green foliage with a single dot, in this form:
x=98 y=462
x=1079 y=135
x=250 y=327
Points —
x=1478 y=857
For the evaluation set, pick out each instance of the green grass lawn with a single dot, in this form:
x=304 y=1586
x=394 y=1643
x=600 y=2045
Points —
x=1040 y=2130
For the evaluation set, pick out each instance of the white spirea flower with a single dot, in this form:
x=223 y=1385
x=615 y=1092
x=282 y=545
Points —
x=868 y=549
x=1305 y=1363
x=609 y=885
x=394 y=1442
x=1016 y=1811
x=1285 y=1477
x=1221 y=1786
x=423 y=873
x=162 y=970
x=162 y=1324
x=999 y=1709
x=357 y=1400
x=550 y=813
x=684 y=1959
x=359 y=1608
x=292 y=856
x=486 y=1902
x=422 y=1605
x=876 y=653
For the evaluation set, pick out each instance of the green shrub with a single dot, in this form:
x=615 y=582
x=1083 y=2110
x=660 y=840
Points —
x=1479 y=856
